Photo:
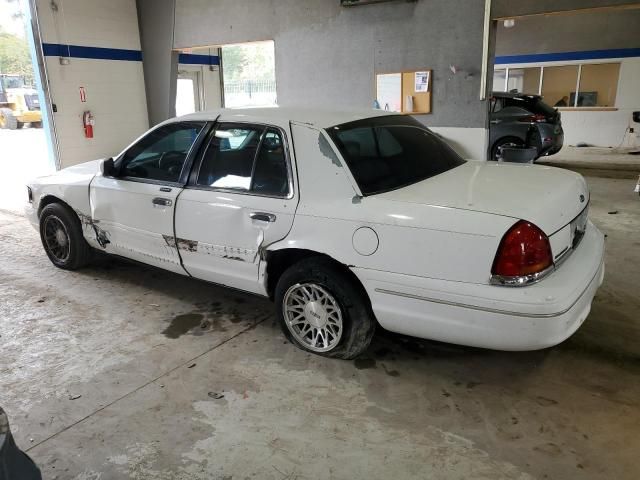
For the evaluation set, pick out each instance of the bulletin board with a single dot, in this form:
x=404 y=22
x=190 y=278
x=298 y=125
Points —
x=405 y=92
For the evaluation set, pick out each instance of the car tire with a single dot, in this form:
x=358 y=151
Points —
x=62 y=239
x=323 y=311
x=19 y=125
x=7 y=120
x=505 y=142
x=36 y=124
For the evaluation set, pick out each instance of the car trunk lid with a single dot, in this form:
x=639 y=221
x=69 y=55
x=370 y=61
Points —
x=549 y=197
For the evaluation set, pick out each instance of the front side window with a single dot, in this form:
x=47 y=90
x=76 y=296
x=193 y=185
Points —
x=246 y=158
x=162 y=153
x=390 y=152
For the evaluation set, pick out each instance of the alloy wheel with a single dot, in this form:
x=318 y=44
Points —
x=57 y=238
x=313 y=316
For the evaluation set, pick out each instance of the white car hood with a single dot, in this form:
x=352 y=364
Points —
x=547 y=196
x=74 y=174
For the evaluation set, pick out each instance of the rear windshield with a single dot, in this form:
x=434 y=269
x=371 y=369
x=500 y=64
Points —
x=390 y=152
x=532 y=104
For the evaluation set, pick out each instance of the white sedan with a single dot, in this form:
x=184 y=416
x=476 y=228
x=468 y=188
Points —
x=346 y=220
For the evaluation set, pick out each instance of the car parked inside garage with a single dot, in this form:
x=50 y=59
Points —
x=346 y=220
x=521 y=120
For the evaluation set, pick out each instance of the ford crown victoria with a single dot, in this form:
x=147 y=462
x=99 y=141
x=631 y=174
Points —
x=346 y=220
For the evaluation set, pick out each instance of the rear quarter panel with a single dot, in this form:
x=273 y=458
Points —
x=413 y=239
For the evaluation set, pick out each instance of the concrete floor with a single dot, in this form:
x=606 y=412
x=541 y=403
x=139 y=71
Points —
x=108 y=373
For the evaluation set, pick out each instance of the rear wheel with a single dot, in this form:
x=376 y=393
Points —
x=496 y=150
x=7 y=120
x=322 y=310
x=36 y=124
x=19 y=125
x=62 y=239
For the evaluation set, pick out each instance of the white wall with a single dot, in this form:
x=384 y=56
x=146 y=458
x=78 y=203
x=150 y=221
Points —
x=115 y=91
x=607 y=128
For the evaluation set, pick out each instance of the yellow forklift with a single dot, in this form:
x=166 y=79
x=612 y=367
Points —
x=19 y=104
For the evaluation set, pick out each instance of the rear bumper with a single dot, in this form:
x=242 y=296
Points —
x=552 y=139
x=488 y=316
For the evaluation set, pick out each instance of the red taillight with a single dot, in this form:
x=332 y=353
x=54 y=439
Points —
x=524 y=250
x=537 y=118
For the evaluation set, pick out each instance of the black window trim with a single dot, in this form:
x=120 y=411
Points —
x=186 y=166
x=192 y=183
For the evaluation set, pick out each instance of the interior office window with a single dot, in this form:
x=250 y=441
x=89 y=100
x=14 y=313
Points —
x=598 y=85
x=524 y=80
x=558 y=83
x=270 y=171
x=161 y=154
x=499 y=80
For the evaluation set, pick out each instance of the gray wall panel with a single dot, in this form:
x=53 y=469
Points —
x=568 y=33
x=328 y=55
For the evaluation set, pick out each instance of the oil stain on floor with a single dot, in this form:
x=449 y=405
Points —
x=181 y=324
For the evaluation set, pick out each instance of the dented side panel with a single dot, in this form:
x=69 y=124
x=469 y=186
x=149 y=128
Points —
x=126 y=221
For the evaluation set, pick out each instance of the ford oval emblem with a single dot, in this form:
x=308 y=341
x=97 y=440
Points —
x=581 y=198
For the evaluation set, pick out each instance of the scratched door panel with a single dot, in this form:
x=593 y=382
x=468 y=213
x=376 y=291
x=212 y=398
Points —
x=220 y=242
x=131 y=224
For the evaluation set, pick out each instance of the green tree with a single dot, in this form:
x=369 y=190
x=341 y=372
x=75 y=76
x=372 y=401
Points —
x=15 y=56
x=252 y=61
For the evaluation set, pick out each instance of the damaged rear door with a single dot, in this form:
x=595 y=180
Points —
x=239 y=199
x=134 y=210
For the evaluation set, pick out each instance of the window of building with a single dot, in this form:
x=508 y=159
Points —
x=524 y=80
x=558 y=83
x=586 y=85
x=598 y=85
x=499 y=80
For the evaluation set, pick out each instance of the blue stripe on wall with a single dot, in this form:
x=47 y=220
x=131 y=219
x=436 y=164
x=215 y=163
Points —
x=98 y=53
x=193 y=59
x=564 y=56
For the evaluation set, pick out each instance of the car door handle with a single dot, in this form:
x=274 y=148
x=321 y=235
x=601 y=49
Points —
x=262 y=216
x=495 y=121
x=165 y=202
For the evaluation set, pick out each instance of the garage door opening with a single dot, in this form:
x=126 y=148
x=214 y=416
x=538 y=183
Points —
x=249 y=74
x=25 y=141
x=588 y=81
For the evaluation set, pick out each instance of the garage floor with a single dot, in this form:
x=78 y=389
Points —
x=122 y=371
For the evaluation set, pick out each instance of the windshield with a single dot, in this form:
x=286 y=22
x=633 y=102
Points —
x=13 y=81
x=390 y=152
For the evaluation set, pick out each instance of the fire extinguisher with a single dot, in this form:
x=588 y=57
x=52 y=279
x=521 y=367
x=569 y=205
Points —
x=88 y=122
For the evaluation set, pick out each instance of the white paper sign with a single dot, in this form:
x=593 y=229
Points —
x=422 y=82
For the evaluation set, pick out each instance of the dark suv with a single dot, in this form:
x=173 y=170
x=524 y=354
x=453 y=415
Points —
x=521 y=120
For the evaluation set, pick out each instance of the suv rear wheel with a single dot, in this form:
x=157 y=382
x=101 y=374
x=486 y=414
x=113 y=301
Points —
x=322 y=310
x=504 y=142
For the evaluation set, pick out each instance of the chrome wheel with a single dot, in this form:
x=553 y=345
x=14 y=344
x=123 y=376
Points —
x=57 y=238
x=313 y=316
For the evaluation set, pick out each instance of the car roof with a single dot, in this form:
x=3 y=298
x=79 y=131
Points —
x=515 y=95
x=319 y=117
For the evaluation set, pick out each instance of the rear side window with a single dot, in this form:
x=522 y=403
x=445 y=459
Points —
x=228 y=159
x=245 y=158
x=161 y=154
x=390 y=152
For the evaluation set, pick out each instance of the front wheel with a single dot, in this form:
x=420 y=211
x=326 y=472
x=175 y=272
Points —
x=324 y=311
x=62 y=239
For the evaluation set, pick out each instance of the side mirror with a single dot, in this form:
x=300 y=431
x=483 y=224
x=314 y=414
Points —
x=518 y=155
x=108 y=168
